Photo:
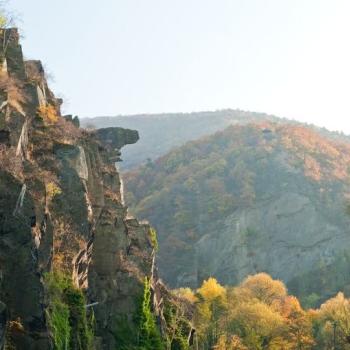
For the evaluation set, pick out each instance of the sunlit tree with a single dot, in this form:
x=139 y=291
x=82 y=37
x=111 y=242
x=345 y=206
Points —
x=211 y=306
x=262 y=287
x=334 y=318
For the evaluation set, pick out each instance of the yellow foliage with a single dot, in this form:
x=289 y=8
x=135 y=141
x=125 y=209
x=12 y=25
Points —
x=337 y=307
x=280 y=343
x=262 y=287
x=236 y=344
x=211 y=289
x=48 y=113
x=258 y=316
x=335 y=312
x=52 y=190
x=187 y=294
x=233 y=343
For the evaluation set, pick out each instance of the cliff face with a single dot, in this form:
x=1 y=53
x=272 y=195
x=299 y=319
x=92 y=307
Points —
x=265 y=197
x=63 y=221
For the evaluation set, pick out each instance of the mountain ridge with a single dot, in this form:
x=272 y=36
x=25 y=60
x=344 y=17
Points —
x=159 y=133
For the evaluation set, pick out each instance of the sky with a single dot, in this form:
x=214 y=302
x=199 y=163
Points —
x=290 y=58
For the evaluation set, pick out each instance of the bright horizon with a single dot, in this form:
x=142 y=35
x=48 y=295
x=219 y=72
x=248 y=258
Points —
x=289 y=58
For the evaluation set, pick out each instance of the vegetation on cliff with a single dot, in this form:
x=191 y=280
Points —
x=149 y=336
x=67 y=314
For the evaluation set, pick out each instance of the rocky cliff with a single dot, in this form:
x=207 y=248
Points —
x=261 y=197
x=73 y=263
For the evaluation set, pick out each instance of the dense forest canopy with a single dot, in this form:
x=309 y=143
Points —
x=260 y=314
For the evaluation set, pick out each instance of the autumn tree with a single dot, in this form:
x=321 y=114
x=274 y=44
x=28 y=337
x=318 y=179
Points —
x=230 y=343
x=334 y=322
x=298 y=323
x=259 y=314
x=262 y=287
x=256 y=323
x=211 y=305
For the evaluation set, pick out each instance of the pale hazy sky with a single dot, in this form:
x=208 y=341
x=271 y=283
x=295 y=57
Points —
x=285 y=57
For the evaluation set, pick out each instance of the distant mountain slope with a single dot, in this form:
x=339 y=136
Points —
x=159 y=133
x=263 y=197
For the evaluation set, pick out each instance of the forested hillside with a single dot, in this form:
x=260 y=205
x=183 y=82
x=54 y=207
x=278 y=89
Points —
x=261 y=197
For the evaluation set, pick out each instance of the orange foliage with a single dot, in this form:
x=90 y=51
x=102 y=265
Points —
x=312 y=168
x=315 y=149
x=287 y=306
x=48 y=113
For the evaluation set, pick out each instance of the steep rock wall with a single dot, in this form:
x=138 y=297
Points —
x=61 y=211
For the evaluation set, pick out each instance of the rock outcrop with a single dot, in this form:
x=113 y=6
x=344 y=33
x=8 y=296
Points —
x=62 y=218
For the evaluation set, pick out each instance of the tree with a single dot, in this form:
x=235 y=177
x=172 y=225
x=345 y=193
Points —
x=211 y=289
x=7 y=20
x=334 y=317
x=211 y=306
x=256 y=323
x=186 y=293
x=299 y=324
x=230 y=343
x=262 y=287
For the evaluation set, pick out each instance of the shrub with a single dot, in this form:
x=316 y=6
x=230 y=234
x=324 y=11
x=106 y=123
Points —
x=48 y=113
x=124 y=334
x=52 y=190
x=16 y=95
x=66 y=314
x=59 y=324
x=153 y=238
x=82 y=335
x=149 y=336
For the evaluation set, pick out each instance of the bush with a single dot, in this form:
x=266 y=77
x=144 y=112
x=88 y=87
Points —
x=82 y=335
x=48 y=113
x=52 y=190
x=153 y=238
x=59 y=324
x=124 y=334
x=149 y=338
x=67 y=314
